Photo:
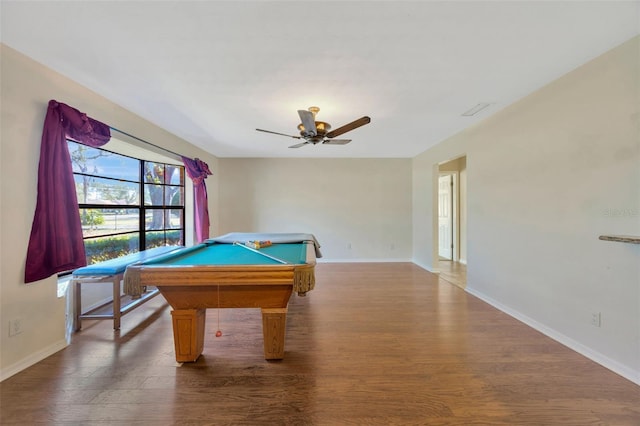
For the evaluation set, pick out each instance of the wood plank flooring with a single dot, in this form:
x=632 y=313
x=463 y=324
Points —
x=373 y=344
x=453 y=272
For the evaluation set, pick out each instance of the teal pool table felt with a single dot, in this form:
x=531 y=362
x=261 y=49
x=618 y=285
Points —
x=230 y=254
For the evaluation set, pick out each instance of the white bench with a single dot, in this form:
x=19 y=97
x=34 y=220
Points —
x=112 y=271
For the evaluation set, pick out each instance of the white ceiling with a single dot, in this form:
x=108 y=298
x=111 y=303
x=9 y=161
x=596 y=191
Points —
x=212 y=71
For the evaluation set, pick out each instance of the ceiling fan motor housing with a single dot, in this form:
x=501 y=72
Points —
x=321 y=130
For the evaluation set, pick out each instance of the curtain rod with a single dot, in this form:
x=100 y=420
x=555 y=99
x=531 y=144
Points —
x=146 y=142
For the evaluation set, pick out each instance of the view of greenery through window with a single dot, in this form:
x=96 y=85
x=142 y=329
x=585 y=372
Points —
x=126 y=204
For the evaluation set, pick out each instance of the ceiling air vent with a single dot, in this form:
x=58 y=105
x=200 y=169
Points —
x=476 y=109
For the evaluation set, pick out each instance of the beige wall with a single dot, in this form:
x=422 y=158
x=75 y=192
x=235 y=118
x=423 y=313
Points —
x=26 y=89
x=359 y=209
x=546 y=176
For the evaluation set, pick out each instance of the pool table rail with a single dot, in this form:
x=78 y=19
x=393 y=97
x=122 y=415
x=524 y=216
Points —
x=169 y=275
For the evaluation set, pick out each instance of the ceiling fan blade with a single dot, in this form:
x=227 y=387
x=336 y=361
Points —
x=348 y=127
x=308 y=121
x=298 y=145
x=281 y=134
x=336 y=141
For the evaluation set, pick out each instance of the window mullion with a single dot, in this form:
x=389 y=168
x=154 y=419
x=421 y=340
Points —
x=143 y=211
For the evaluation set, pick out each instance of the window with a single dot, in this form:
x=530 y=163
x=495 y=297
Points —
x=126 y=204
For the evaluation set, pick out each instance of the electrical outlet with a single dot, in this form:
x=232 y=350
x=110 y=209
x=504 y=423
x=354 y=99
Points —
x=596 y=319
x=15 y=327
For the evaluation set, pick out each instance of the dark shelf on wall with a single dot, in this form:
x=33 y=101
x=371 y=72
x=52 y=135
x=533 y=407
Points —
x=631 y=239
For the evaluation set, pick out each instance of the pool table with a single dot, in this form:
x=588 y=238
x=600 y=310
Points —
x=218 y=275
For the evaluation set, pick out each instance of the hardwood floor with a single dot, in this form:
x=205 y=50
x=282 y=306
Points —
x=453 y=272
x=374 y=344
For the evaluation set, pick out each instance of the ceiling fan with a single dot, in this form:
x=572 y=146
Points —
x=313 y=132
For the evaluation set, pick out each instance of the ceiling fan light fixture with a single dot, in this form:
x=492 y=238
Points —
x=314 y=110
x=321 y=128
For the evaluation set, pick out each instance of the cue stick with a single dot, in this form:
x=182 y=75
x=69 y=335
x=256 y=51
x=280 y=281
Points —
x=261 y=253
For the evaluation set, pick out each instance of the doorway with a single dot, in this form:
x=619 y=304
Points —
x=451 y=224
x=446 y=226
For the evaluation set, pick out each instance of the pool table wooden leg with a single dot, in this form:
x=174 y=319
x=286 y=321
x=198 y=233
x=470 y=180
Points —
x=188 y=333
x=273 y=330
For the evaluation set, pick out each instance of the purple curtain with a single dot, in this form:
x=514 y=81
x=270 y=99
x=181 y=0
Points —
x=198 y=171
x=55 y=243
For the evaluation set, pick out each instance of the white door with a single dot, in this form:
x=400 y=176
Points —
x=445 y=217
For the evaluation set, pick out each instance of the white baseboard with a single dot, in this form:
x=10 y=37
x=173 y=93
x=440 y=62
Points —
x=32 y=359
x=618 y=368
x=427 y=268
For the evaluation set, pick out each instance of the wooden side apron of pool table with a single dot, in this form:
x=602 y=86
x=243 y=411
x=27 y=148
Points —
x=191 y=290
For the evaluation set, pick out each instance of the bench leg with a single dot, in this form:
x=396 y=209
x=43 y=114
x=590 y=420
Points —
x=116 y=303
x=77 y=304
